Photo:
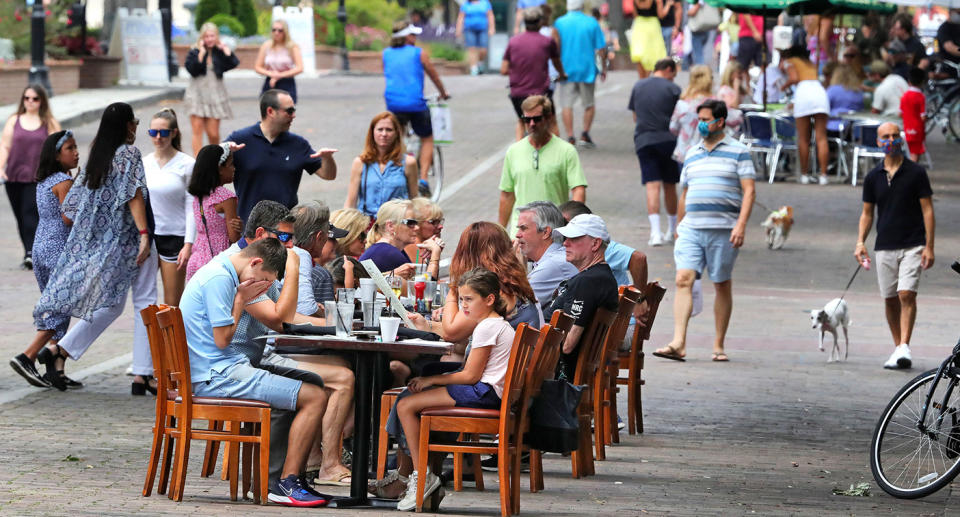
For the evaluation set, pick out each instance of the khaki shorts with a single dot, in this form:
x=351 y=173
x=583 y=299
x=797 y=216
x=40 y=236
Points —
x=568 y=91
x=898 y=270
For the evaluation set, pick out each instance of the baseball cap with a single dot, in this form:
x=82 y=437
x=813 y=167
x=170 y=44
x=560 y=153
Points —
x=406 y=31
x=574 y=5
x=585 y=224
x=336 y=233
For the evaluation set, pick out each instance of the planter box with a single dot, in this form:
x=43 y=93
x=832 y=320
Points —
x=99 y=71
x=445 y=67
x=64 y=78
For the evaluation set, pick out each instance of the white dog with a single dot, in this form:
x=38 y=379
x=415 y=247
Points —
x=777 y=227
x=831 y=318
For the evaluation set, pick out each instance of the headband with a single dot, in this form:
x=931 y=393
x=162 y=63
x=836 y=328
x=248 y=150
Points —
x=63 y=139
x=226 y=152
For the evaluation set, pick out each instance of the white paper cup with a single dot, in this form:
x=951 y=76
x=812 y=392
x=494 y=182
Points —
x=388 y=328
x=367 y=289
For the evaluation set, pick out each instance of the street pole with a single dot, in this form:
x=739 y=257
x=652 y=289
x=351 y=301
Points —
x=39 y=73
x=342 y=18
x=166 y=20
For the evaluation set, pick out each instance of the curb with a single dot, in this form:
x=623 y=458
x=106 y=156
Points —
x=94 y=114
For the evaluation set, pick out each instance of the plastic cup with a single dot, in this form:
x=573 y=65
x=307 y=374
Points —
x=330 y=312
x=378 y=310
x=368 y=310
x=346 y=295
x=367 y=289
x=344 y=319
x=418 y=269
x=388 y=328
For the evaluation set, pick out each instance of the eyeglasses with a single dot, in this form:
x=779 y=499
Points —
x=410 y=222
x=31 y=99
x=276 y=29
x=283 y=237
x=536 y=159
x=534 y=118
x=163 y=133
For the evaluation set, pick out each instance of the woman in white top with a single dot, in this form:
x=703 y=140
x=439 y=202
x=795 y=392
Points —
x=168 y=172
x=279 y=60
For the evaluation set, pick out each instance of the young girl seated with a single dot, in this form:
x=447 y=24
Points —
x=478 y=385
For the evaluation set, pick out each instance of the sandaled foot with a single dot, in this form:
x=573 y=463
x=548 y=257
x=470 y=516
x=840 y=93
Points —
x=669 y=352
x=720 y=357
x=336 y=478
x=392 y=486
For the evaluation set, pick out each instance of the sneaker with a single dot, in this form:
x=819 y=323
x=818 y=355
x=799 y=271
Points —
x=805 y=179
x=129 y=371
x=308 y=486
x=668 y=238
x=572 y=141
x=824 y=181
x=72 y=384
x=424 y=188
x=586 y=141
x=474 y=70
x=620 y=424
x=408 y=502
x=655 y=240
x=900 y=358
x=491 y=464
x=290 y=492
x=27 y=263
x=28 y=370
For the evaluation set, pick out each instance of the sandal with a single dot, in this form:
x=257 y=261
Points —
x=668 y=352
x=337 y=480
x=720 y=357
x=54 y=375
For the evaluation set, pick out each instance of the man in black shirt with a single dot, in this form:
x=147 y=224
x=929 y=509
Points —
x=900 y=189
x=948 y=37
x=902 y=30
x=585 y=240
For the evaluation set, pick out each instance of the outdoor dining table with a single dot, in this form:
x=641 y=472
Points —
x=371 y=358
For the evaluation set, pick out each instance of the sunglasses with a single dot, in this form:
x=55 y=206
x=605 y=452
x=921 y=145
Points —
x=163 y=133
x=276 y=29
x=534 y=118
x=410 y=222
x=31 y=99
x=290 y=111
x=362 y=237
x=536 y=159
x=435 y=222
x=283 y=237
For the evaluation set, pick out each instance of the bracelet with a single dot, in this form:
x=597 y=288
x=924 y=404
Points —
x=860 y=243
x=144 y=231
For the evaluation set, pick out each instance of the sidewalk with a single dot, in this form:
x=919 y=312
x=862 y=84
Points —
x=84 y=106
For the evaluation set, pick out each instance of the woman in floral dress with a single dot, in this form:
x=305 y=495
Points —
x=214 y=206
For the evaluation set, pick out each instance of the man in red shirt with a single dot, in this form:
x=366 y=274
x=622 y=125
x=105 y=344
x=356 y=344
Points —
x=913 y=105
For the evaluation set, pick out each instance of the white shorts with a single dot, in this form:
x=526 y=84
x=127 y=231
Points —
x=810 y=99
x=898 y=270
x=568 y=91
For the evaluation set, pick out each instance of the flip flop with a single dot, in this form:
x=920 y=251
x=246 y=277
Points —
x=720 y=357
x=335 y=481
x=672 y=354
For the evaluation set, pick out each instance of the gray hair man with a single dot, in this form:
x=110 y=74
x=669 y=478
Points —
x=538 y=242
x=311 y=230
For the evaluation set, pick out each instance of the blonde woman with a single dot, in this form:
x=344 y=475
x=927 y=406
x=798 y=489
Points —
x=732 y=85
x=646 y=39
x=279 y=60
x=430 y=218
x=23 y=136
x=683 y=123
x=206 y=97
x=356 y=223
x=395 y=229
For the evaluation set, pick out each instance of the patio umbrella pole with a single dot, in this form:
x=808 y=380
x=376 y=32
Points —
x=763 y=60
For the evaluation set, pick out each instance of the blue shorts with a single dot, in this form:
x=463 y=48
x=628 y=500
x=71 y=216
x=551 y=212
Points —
x=657 y=163
x=479 y=395
x=418 y=120
x=243 y=381
x=476 y=38
x=711 y=247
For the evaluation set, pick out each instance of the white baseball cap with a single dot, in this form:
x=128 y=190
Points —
x=586 y=224
x=406 y=31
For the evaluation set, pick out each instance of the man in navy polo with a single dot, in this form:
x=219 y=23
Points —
x=274 y=159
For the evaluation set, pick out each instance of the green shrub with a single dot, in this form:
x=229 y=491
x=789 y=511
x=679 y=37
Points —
x=207 y=9
x=228 y=24
x=244 y=12
x=378 y=14
x=444 y=50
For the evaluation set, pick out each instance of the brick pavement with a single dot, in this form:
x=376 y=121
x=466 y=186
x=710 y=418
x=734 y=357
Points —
x=712 y=446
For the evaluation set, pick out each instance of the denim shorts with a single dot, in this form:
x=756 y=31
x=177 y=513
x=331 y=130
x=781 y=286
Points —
x=479 y=38
x=243 y=381
x=697 y=248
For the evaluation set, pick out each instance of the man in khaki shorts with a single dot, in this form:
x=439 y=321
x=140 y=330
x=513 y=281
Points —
x=900 y=190
x=581 y=41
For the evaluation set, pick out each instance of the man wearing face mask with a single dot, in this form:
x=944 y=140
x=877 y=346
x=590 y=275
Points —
x=900 y=190
x=948 y=37
x=718 y=193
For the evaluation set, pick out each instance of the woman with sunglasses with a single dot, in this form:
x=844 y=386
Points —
x=206 y=97
x=23 y=135
x=168 y=171
x=383 y=171
x=214 y=206
x=430 y=218
x=396 y=227
x=279 y=60
x=110 y=252
x=356 y=223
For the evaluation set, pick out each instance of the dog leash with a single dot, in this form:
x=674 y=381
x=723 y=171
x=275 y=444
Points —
x=855 y=271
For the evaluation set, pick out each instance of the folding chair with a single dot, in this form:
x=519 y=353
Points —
x=864 y=137
x=785 y=136
x=758 y=137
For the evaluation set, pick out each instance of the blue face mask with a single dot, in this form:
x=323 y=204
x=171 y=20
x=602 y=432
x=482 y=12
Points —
x=892 y=146
x=704 y=128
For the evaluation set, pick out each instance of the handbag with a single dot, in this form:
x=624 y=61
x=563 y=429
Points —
x=554 y=424
x=707 y=18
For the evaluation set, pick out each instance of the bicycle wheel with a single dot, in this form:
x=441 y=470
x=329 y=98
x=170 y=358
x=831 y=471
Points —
x=436 y=174
x=934 y=104
x=953 y=118
x=906 y=462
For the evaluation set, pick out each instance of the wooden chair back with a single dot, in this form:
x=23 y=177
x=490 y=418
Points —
x=561 y=321
x=524 y=341
x=591 y=346
x=176 y=356
x=652 y=295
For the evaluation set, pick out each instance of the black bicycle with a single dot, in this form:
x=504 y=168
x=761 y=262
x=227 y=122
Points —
x=915 y=449
x=943 y=100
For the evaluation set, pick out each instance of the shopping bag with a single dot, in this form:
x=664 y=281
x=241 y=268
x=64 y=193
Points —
x=554 y=426
x=442 y=122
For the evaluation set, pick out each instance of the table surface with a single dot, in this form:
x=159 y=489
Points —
x=290 y=344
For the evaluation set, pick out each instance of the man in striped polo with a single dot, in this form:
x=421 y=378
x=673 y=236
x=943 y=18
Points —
x=718 y=193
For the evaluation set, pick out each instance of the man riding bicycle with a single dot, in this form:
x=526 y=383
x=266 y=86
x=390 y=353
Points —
x=404 y=65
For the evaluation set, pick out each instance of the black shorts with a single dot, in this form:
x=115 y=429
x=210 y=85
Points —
x=418 y=120
x=749 y=52
x=168 y=246
x=517 y=101
x=657 y=163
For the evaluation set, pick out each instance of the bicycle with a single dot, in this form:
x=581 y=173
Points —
x=435 y=174
x=915 y=449
x=943 y=101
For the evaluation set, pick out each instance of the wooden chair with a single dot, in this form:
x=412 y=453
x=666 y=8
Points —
x=605 y=399
x=590 y=359
x=249 y=419
x=504 y=422
x=632 y=361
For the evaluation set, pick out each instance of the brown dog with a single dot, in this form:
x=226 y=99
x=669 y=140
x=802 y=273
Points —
x=777 y=226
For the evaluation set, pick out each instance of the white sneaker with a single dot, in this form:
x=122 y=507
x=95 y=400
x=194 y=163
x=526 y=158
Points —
x=804 y=179
x=408 y=502
x=824 y=181
x=668 y=238
x=655 y=239
x=900 y=358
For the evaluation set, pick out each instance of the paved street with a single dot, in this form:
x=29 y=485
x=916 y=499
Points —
x=773 y=432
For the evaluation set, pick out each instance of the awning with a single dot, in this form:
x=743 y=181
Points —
x=825 y=7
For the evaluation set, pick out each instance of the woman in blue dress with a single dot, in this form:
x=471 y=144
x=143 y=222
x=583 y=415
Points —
x=58 y=156
x=383 y=171
x=109 y=241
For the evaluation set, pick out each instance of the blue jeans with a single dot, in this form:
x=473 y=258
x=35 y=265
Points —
x=667 y=32
x=699 y=43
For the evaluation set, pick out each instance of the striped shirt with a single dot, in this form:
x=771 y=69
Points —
x=712 y=179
